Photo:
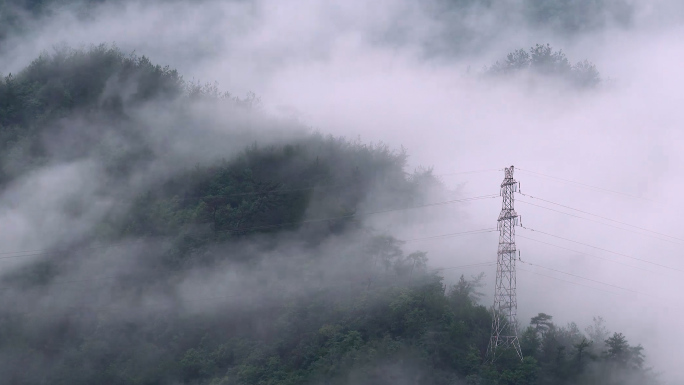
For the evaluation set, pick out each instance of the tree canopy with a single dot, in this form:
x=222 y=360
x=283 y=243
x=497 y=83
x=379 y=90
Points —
x=543 y=60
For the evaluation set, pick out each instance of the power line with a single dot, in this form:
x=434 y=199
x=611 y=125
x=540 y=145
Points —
x=584 y=184
x=606 y=250
x=466 y=266
x=70 y=282
x=115 y=277
x=199 y=299
x=587 y=254
x=436 y=269
x=21 y=251
x=449 y=235
x=570 y=282
x=363 y=214
x=587 y=279
x=601 y=223
x=462 y=200
x=436 y=237
x=202 y=299
x=470 y=172
x=581 y=277
x=596 y=215
x=24 y=255
x=330 y=186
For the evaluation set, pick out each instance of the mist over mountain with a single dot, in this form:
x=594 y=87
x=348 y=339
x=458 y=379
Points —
x=160 y=228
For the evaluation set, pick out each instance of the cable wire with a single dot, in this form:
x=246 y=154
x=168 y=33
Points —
x=570 y=282
x=465 y=266
x=462 y=200
x=585 y=278
x=449 y=235
x=587 y=254
x=470 y=172
x=238 y=295
x=21 y=251
x=602 y=217
x=606 y=250
x=602 y=223
x=330 y=186
x=362 y=214
x=442 y=236
x=583 y=184
x=588 y=279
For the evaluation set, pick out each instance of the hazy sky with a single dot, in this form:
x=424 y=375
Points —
x=360 y=70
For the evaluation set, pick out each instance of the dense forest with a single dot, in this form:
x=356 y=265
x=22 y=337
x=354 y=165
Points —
x=245 y=262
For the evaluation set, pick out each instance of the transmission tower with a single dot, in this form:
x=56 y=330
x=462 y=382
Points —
x=504 y=321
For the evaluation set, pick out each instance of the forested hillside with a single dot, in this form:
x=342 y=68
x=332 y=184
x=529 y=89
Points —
x=225 y=258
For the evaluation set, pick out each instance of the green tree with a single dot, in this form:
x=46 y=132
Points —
x=542 y=323
x=581 y=353
x=620 y=352
x=543 y=60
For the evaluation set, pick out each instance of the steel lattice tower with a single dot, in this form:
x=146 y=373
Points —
x=504 y=322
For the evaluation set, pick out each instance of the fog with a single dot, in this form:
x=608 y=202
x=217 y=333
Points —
x=387 y=72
